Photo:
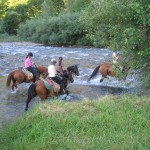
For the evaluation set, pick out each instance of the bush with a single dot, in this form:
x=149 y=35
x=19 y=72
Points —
x=11 y=22
x=122 y=25
x=62 y=30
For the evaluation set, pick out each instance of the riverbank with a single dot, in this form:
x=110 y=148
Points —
x=19 y=44
x=110 y=122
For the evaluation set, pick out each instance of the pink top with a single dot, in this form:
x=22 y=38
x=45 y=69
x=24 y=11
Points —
x=28 y=62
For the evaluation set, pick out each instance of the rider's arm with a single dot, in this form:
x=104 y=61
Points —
x=62 y=66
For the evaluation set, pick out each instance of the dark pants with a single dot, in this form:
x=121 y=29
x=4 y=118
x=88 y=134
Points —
x=32 y=70
x=57 y=79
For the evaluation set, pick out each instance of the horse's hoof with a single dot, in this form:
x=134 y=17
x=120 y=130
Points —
x=26 y=109
x=101 y=80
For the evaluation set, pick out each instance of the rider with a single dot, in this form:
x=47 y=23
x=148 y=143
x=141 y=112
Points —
x=60 y=65
x=53 y=73
x=115 y=57
x=28 y=64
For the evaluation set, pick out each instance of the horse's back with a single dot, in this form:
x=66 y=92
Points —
x=105 y=65
x=42 y=69
x=42 y=91
x=105 y=69
x=18 y=73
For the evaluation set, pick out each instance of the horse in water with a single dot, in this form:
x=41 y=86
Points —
x=106 y=69
x=39 y=88
x=18 y=76
x=73 y=69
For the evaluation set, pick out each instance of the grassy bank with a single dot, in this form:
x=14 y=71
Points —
x=116 y=123
x=10 y=38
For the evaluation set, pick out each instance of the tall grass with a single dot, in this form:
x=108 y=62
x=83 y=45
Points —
x=10 y=38
x=115 y=123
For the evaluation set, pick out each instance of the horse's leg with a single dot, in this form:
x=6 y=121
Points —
x=62 y=90
x=103 y=73
x=16 y=85
x=31 y=94
x=43 y=98
x=12 y=87
x=67 y=92
x=27 y=103
x=101 y=80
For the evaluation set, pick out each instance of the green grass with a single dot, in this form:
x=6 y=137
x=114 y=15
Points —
x=10 y=38
x=109 y=123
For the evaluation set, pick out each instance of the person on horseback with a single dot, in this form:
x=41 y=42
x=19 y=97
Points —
x=29 y=65
x=60 y=65
x=53 y=74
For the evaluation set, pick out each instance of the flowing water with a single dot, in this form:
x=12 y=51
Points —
x=12 y=56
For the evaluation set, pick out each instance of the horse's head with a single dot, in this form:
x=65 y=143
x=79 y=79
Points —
x=67 y=75
x=74 y=69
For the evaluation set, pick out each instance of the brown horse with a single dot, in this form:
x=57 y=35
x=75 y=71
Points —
x=106 y=69
x=18 y=76
x=39 y=89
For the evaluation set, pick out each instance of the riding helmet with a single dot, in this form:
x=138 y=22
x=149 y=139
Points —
x=60 y=58
x=30 y=54
x=53 y=61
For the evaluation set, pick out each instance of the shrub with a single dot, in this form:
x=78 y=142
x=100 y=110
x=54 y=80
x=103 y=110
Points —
x=64 y=29
x=11 y=22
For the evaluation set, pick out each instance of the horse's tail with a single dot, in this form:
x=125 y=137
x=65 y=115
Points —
x=9 y=78
x=31 y=94
x=94 y=73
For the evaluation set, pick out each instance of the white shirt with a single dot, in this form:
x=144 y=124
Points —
x=51 y=71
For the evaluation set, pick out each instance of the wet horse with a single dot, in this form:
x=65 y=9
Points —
x=18 y=76
x=39 y=89
x=73 y=69
x=106 y=69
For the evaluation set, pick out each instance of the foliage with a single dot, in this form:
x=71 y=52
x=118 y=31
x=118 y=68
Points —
x=14 y=3
x=3 y=8
x=11 y=22
x=76 y=5
x=61 y=30
x=52 y=7
x=22 y=10
x=122 y=25
x=34 y=8
x=108 y=123
x=10 y=38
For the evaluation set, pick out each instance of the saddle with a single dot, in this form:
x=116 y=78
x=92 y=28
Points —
x=50 y=84
x=27 y=73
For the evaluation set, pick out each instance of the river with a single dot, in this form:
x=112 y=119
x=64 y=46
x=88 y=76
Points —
x=12 y=56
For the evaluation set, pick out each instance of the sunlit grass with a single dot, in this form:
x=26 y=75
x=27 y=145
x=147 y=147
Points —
x=111 y=122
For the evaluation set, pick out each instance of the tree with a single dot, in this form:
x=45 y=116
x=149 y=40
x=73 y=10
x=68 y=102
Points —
x=11 y=22
x=52 y=7
x=3 y=8
x=76 y=5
